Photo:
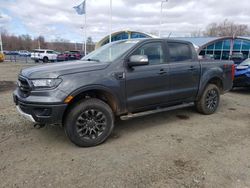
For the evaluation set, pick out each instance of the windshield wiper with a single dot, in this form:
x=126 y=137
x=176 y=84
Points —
x=89 y=59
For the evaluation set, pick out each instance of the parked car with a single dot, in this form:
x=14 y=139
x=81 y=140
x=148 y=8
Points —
x=10 y=52
x=237 y=57
x=125 y=79
x=73 y=55
x=62 y=57
x=242 y=74
x=44 y=55
x=2 y=57
x=24 y=53
x=5 y=52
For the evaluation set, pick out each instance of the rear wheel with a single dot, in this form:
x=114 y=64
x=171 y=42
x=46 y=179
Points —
x=209 y=101
x=89 y=123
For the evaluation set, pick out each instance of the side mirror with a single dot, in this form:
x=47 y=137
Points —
x=138 y=60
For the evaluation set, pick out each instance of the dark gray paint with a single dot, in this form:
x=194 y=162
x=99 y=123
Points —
x=142 y=87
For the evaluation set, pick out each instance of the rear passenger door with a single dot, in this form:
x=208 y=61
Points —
x=184 y=71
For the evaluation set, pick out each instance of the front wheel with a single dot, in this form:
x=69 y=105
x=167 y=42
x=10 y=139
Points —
x=89 y=122
x=209 y=101
x=45 y=59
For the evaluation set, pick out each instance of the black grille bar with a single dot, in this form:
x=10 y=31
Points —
x=24 y=86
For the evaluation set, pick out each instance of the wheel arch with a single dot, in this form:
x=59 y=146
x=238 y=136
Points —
x=217 y=80
x=98 y=92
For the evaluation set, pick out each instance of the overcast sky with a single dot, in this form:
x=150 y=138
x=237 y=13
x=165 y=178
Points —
x=57 y=19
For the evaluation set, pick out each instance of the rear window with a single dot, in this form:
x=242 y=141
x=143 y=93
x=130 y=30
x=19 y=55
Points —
x=179 y=52
x=74 y=51
x=38 y=51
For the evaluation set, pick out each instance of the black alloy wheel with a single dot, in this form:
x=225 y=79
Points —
x=212 y=99
x=91 y=124
x=209 y=100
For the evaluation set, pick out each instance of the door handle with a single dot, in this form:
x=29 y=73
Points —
x=162 y=71
x=192 y=68
x=119 y=75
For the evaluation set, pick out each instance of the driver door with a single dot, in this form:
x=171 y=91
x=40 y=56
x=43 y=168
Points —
x=148 y=85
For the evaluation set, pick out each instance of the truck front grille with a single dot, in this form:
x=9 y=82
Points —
x=24 y=86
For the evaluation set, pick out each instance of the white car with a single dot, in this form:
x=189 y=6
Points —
x=24 y=53
x=44 y=55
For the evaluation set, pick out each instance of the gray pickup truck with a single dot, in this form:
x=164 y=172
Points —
x=125 y=79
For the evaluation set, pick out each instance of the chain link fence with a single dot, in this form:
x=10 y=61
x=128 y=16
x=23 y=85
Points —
x=18 y=59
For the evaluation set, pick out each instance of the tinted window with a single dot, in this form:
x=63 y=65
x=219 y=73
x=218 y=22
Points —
x=153 y=51
x=111 y=51
x=179 y=52
x=38 y=51
x=237 y=44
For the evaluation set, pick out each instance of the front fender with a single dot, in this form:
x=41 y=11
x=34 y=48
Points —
x=121 y=105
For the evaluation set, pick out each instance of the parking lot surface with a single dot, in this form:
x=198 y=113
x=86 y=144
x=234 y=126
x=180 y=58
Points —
x=180 y=148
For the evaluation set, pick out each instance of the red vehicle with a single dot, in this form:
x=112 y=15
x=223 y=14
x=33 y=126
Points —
x=62 y=57
x=73 y=55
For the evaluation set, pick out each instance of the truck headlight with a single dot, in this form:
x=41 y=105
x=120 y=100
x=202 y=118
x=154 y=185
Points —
x=46 y=83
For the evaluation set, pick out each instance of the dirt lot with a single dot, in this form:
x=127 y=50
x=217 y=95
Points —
x=174 y=149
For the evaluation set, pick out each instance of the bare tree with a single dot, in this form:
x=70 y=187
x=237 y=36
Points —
x=197 y=33
x=25 y=42
x=90 y=44
x=226 y=28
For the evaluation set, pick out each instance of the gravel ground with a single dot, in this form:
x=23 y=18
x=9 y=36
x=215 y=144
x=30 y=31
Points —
x=174 y=149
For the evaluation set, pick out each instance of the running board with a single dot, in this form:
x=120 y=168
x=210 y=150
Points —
x=139 y=114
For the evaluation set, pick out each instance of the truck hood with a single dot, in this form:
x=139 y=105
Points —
x=57 y=69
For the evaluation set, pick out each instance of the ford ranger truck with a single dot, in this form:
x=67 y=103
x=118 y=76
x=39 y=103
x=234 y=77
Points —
x=126 y=79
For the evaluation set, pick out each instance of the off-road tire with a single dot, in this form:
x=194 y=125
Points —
x=81 y=113
x=209 y=100
x=45 y=59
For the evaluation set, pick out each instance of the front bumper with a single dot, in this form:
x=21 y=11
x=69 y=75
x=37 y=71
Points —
x=241 y=81
x=40 y=113
x=27 y=116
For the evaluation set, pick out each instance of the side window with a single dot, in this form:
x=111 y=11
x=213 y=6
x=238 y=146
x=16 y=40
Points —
x=154 y=52
x=179 y=52
x=49 y=52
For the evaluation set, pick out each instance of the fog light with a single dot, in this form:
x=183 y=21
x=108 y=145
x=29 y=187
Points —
x=42 y=111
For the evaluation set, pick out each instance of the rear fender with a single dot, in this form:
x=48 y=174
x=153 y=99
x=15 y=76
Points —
x=206 y=77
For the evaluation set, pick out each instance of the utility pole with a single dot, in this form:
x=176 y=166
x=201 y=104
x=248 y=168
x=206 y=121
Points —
x=1 y=42
x=39 y=45
x=162 y=2
x=110 y=22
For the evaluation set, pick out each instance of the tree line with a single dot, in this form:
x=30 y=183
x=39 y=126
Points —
x=224 y=28
x=26 y=42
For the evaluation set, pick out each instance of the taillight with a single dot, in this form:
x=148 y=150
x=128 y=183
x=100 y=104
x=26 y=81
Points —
x=233 y=71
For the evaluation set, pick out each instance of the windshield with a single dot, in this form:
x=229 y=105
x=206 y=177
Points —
x=110 y=52
x=245 y=63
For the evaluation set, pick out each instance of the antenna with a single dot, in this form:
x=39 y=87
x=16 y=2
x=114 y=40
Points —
x=169 y=35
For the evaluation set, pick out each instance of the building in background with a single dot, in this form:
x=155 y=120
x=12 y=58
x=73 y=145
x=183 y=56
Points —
x=221 y=48
x=122 y=35
x=218 y=48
